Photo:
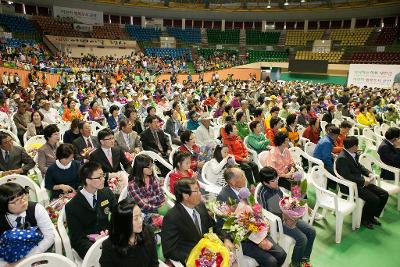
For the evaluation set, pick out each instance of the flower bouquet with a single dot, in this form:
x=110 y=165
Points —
x=292 y=209
x=34 y=177
x=156 y=221
x=86 y=152
x=129 y=156
x=244 y=220
x=33 y=148
x=299 y=188
x=56 y=205
x=118 y=182
x=209 y=252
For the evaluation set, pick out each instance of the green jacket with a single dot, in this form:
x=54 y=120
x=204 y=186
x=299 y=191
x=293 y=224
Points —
x=243 y=129
x=257 y=142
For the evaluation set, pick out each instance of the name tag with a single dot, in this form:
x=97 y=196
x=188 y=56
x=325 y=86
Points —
x=104 y=203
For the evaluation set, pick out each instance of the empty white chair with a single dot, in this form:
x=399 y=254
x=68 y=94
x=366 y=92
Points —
x=69 y=252
x=328 y=200
x=392 y=187
x=93 y=255
x=46 y=259
x=253 y=153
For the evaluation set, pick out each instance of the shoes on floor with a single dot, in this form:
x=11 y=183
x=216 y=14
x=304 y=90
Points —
x=368 y=225
x=376 y=222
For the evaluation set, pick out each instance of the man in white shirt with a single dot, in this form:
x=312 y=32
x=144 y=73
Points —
x=50 y=115
x=205 y=134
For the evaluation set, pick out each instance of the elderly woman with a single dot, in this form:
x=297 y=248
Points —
x=71 y=111
x=47 y=153
x=256 y=139
x=96 y=112
x=280 y=159
x=63 y=175
x=37 y=125
x=114 y=118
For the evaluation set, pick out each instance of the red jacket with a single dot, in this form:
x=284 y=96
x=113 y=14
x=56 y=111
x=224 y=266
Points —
x=311 y=134
x=176 y=176
x=195 y=151
x=236 y=147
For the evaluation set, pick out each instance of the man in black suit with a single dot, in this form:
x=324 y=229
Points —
x=389 y=151
x=186 y=223
x=154 y=139
x=349 y=168
x=89 y=210
x=86 y=140
x=109 y=157
x=267 y=252
x=13 y=159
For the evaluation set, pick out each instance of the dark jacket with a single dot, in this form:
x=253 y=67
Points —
x=350 y=169
x=18 y=158
x=149 y=143
x=390 y=156
x=83 y=220
x=80 y=145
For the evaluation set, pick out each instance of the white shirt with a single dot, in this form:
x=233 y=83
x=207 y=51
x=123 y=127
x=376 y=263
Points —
x=190 y=212
x=107 y=152
x=89 y=196
x=50 y=116
x=205 y=137
x=44 y=224
x=127 y=139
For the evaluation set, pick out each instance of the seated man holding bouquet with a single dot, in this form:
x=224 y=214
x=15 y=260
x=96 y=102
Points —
x=266 y=252
x=86 y=143
x=304 y=234
x=186 y=223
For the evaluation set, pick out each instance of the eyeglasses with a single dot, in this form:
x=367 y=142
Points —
x=150 y=166
x=275 y=180
x=194 y=191
x=108 y=139
x=14 y=200
x=101 y=177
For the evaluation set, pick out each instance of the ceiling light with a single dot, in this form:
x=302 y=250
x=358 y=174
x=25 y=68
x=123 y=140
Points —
x=286 y=3
x=269 y=6
x=302 y=1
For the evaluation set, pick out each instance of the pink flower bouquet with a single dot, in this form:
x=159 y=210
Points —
x=292 y=208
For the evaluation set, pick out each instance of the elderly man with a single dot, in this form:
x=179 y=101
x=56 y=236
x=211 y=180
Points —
x=205 y=135
x=244 y=107
x=267 y=252
x=50 y=115
x=21 y=120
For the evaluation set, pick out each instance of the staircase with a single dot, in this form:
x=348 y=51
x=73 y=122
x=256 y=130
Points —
x=326 y=35
x=242 y=39
x=204 y=39
x=372 y=37
x=282 y=38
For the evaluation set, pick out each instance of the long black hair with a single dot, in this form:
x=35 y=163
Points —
x=121 y=227
x=141 y=161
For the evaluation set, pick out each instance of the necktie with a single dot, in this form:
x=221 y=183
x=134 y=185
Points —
x=157 y=141
x=109 y=157
x=94 y=201
x=196 y=222
x=7 y=157
x=128 y=138
x=89 y=143
x=18 y=221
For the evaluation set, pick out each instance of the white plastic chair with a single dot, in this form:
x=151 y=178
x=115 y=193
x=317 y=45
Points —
x=170 y=140
x=367 y=132
x=263 y=154
x=205 y=175
x=156 y=157
x=297 y=154
x=253 y=153
x=328 y=200
x=336 y=122
x=384 y=128
x=276 y=230
x=165 y=187
x=13 y=136
x=124 y=194
x=93 y=255
x=323 y=125
x=171 y=155
x=309 y=148
x=38 y=196
x=359 y=201
x=392 y=187
x=69 y=252
x=46 y=259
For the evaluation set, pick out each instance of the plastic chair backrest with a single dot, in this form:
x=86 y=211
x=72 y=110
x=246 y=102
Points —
x=64 y=235
x=166 y=187
x=46 y=259
x=263 y=155
x=24 y=181
x=13 y=136
x=157 y=157
x=124 y=194
x=171 y=155
x=367 y=132
x=309 y=148
x=93 y=255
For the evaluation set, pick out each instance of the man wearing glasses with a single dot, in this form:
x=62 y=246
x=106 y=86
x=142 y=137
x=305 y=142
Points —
x=109 y=157
x=88 y=212
x=13 y=159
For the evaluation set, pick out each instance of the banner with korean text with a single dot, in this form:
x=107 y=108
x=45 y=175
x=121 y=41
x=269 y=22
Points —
x=374 y=75
x=83 y=16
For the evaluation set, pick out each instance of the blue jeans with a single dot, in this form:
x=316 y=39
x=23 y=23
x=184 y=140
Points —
x=304 y=234
x=274 y=257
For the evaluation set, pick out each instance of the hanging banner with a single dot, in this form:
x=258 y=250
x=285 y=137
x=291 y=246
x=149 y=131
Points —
x=83 y=16
x=374 y=75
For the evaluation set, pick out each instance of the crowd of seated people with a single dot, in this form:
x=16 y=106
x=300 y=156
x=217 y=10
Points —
x=135 y=116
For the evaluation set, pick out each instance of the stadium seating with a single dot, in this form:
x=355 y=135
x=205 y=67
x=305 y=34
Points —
x=355 y=37
x=254 y=37
x=17 y=42
x=52 y=26
x=376 y=57
x=109 y=31
x=169 y=52
x=223 y=37
x=187 y=35
x=138 y=33
x=387 y=36
x=211 y=52
x=299 y=37
x=332 y=57
x=270 y=56
x=16 y=23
